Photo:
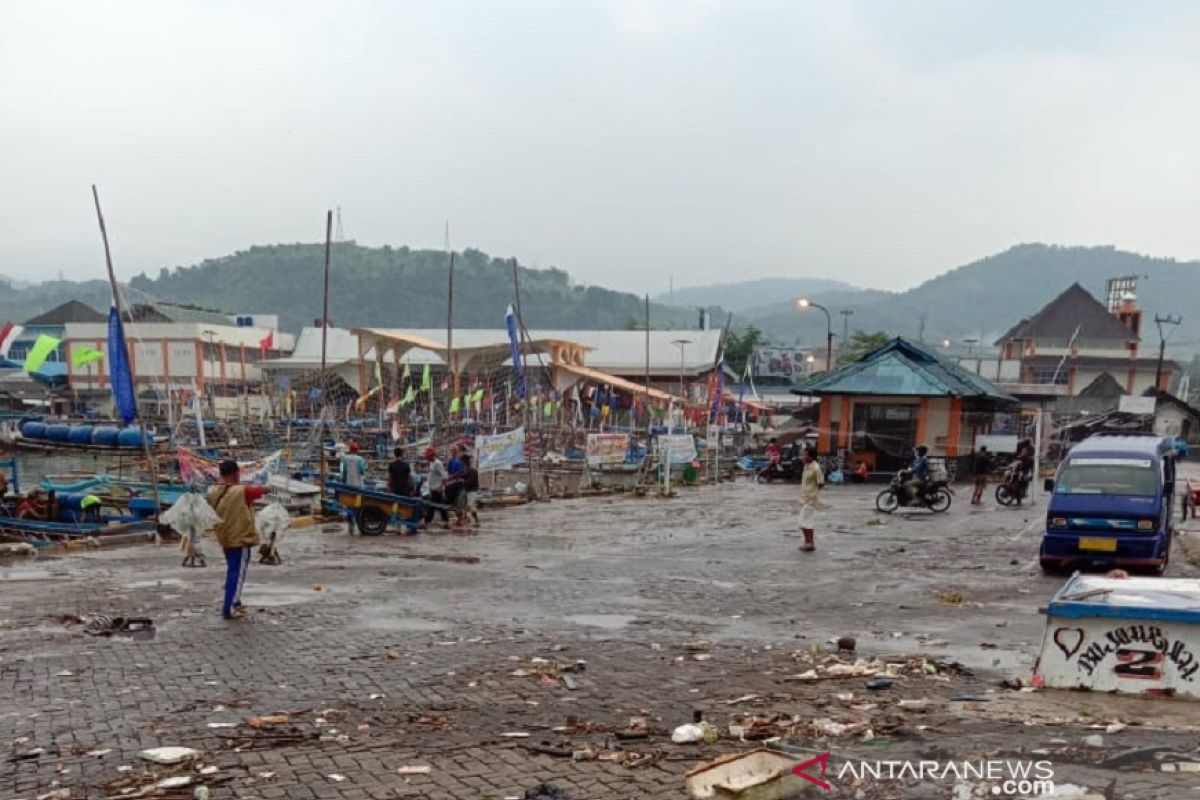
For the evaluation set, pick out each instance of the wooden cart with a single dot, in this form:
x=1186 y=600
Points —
x=373 y=510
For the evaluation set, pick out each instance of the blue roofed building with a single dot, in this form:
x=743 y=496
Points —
x=878 y=408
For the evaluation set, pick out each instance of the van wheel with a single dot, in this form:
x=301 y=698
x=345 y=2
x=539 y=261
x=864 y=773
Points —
x=372 y=521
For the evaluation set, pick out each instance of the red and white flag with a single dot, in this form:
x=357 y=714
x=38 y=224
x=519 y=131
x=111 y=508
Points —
x=8 y=334
x=267 y=342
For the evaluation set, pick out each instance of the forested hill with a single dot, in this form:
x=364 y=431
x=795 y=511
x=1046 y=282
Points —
x=397 y=287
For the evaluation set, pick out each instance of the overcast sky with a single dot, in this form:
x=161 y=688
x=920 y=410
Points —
x=624 y=140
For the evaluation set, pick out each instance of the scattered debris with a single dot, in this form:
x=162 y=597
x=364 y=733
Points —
x=878 y=684
x=693 y=732
x=421 y=769
x=762 y=774
x=336 y=778
x=268 y=721
x=168 y=755
x=546 y=791
x=174 y=782
x=847 y=644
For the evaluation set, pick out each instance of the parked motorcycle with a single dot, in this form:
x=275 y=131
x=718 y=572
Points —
x=935 y=495
x=1015 y=486
x=789 y=470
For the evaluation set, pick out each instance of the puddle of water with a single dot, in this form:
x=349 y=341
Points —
x=611 y=622
x=32 y=574
x=270 y=596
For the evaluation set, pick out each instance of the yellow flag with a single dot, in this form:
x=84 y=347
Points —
x=41 y=350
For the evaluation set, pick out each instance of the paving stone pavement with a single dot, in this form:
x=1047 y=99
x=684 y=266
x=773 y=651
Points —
x=398 y=652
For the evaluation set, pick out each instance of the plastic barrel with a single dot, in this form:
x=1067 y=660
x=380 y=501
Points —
x=33 y=430
x=105 y=436
x=130 y=437
x=80 y=434
x=58 y=433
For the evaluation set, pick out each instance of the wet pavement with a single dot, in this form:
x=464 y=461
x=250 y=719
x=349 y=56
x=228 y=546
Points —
x=437 y=650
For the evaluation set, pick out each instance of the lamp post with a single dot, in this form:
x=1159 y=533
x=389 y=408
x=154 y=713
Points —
x=804 y=302
x=682 y=345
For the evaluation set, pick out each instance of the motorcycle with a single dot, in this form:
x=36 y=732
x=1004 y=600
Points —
x=935 y=495
x=790 y=470
x=1014 y=487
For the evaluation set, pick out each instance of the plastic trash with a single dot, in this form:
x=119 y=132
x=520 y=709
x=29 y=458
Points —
x=695 y=732
x=190 y=516
x=168 y=755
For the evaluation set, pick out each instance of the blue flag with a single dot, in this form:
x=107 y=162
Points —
x=510 y=320
x=119 y=375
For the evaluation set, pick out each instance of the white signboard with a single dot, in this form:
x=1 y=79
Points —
x=606 y=448
x=679 y=447
x=1130 y=404
x=996 y=443
x=712 y=439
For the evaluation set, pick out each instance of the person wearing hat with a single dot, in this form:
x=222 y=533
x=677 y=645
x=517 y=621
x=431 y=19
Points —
x=354 y=466
x=436 y=478
x=236 y=532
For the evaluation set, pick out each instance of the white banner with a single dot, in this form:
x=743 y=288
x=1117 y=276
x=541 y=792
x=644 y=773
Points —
x=680 y=447
x=502 y=451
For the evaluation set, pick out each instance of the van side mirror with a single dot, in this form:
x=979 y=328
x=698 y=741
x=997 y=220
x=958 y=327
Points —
x=1048 y=484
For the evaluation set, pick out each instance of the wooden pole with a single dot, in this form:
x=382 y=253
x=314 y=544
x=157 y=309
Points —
x=450 y=360
x=119 y=305
x=524 y=369
x=324 y=351
x=648 y=416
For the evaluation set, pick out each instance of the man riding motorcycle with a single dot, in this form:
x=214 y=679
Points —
x=918 y=474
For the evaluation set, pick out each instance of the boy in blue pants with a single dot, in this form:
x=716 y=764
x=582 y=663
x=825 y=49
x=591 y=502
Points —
x=236 y=532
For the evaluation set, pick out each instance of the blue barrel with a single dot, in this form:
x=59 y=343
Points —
x=130 y=437
x=80 y=434
x=105 y=436
x=58 y=433
x=33 y=430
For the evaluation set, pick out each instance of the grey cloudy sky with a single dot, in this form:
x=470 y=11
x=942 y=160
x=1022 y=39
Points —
x=624 y=140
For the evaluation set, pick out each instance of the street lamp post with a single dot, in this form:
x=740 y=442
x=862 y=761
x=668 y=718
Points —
x=804 y=302
x=682 y=345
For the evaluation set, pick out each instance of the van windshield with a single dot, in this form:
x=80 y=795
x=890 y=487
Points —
x=1135 y=477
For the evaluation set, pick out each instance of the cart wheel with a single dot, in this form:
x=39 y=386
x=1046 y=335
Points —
x=371 y=521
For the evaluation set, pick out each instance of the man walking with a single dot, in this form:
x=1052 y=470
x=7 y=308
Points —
x=436 y=479
x=400 y=475
x=811 y=482
x=983 y=468
x=235 y=532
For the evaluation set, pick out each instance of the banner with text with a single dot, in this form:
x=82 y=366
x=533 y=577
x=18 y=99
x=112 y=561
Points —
x=502 y=451
x=606 y=448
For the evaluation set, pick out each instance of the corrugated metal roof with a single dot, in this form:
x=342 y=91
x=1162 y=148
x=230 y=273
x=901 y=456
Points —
x=620 y=352
x=902 y=368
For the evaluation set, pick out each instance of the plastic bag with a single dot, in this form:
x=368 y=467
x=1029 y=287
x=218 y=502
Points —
x=190 y=515
x=273 y=520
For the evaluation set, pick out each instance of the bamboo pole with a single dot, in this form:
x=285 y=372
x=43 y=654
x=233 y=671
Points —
x=147 y=451
x=525 y=369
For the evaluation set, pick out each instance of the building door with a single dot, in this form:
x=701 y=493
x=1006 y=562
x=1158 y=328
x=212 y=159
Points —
x=888 y=430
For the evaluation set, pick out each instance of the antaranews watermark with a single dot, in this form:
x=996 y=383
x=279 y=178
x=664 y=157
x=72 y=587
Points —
x=1005 y=778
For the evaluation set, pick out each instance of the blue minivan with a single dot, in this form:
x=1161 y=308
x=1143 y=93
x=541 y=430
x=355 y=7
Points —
x=1110 y=505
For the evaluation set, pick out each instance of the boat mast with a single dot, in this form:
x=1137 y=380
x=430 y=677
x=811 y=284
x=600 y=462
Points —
x=324 y=344
x=118 y=304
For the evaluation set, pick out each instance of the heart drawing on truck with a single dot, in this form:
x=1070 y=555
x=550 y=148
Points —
x=1069 y=640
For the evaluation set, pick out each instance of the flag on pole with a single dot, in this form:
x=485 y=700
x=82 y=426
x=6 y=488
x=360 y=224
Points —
x=266 y=343
x=409 y=396
x=510 y=321
x=454 y=405
x=406 y=376
x=426 y=379
x=83 y=355
x=8 y=334
x=41 y=350
x=119 y=374
x=378 y=373
x=719 y=394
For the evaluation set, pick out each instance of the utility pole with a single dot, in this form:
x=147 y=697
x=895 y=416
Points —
x=1162 y=345
x=846 y=314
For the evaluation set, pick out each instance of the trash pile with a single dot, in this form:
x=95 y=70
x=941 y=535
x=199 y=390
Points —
x=175 y=772
x=834 y=666
x=550 y=672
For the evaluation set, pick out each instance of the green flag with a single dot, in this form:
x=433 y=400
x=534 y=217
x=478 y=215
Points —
x=42 y=348
x=407 y=375
x=409 y=396
x=548 y=409
x=477 y=398
x=83 y=355
x=454 y=405
x=378 y=373
x=426 y=379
